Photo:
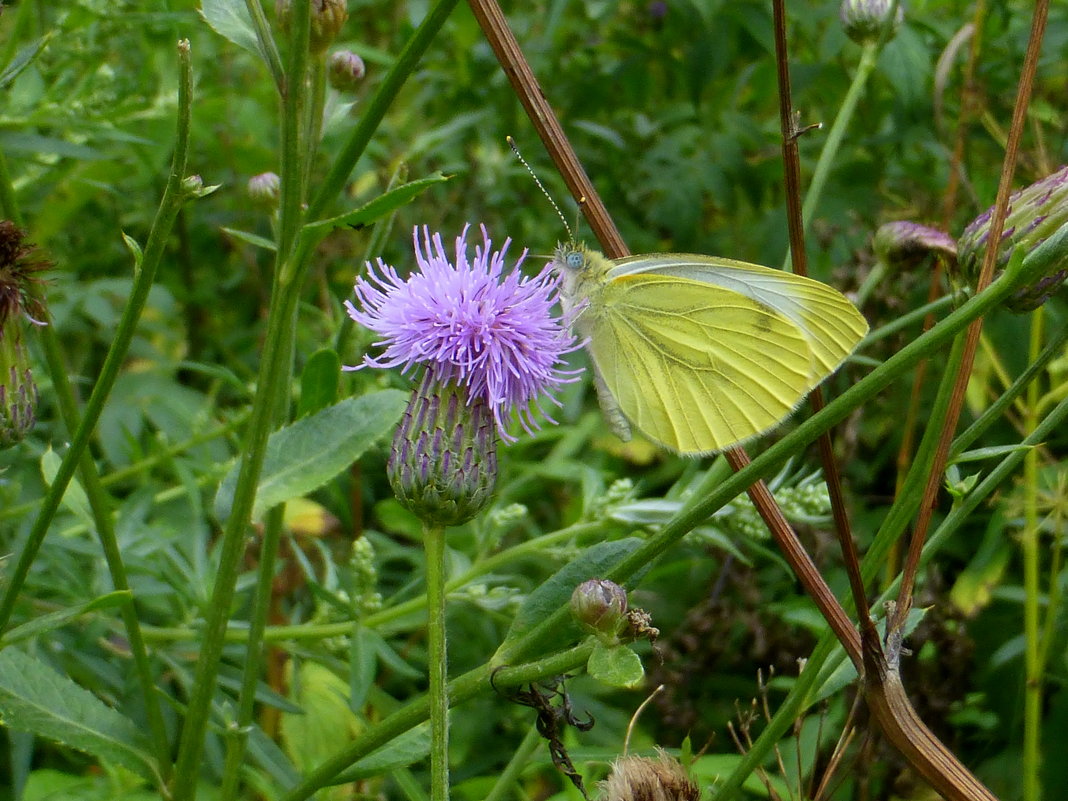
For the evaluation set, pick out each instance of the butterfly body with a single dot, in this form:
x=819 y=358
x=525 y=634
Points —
x=701 y=353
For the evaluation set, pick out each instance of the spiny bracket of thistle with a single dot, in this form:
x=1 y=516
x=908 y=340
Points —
x=443 y=463
x=20 y=304
x=1037 y=223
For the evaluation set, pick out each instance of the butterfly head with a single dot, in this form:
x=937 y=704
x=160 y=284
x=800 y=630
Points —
x=570 y=257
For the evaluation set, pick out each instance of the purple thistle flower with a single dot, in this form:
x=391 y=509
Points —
x=470 y=323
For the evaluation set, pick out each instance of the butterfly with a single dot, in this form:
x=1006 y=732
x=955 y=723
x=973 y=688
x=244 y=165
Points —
x=701 y=353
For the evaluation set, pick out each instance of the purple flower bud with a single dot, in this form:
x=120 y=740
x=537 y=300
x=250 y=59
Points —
x=1035 y=213
x=346 y=70
x=864 y=20
x=600 y=606
x=902 y=244
x=443 y=465
x=265 y=189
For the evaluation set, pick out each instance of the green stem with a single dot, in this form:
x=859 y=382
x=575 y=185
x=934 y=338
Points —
x=144 y=273
x=507 y=781
x=437 y=661
x=417 y=710
x=868 y=56
x=579 y=533
x=250 y=674
x=268 y=48
x=1029 y=546
x=273 y=375
x=379 y=105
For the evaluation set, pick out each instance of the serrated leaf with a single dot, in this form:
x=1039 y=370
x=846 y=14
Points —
x=595 y=562
x=252 y=239
x=35 y=698
x=53 y=620
x=306 y=454
x=615 y=665
x=319 y=382
x=230 y=19
x=380 y=206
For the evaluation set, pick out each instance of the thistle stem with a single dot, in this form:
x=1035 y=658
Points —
x=1029 y=545
x=437 y=661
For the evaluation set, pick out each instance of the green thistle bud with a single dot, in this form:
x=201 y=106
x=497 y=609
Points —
x=864 y=20
x=18 y=305
x=443 y=465
x=1035 y=214
x=328 y=18
x=600 y=606
x=265 y=189
x=346 y=70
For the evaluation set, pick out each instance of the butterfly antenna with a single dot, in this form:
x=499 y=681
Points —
x=541 y=186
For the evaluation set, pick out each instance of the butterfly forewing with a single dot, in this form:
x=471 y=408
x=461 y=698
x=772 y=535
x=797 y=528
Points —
x=831 y=325
x=697 y=367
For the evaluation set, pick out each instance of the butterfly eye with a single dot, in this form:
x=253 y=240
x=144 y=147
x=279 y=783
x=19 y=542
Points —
x=574 y=260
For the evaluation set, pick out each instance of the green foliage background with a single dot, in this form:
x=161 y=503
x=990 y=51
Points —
x=672 y=108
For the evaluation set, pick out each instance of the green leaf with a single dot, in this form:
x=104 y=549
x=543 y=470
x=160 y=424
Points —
x=379 y=207
x=230 y=19
x=74 y=497
x=615 y=665
x=410 y=747
x=22 y=59
x=37 y=699
x=39 y=625
x=326 y=722
x=306 y=454
x=319 y=382
x=594 y=562
x=252 y=239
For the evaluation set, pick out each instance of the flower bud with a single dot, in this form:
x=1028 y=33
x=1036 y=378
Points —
x=18 y=392
x=901 y=244
x=600 y=606
x=346 y=70
x=265 y=189
x=635 y=778
x=443 y=464
x=18 y=305
x=1035 y=214
x=864 y=20
x=328 y=17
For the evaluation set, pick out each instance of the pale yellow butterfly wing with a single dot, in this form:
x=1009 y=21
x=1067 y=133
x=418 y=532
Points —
x=696 y=367
x=831 y=325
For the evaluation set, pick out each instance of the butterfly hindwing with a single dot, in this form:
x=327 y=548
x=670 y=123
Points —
x=695 y=366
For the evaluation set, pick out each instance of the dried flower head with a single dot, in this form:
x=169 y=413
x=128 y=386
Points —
x=1035 y=214
x=635 y=778
x=470 y=323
